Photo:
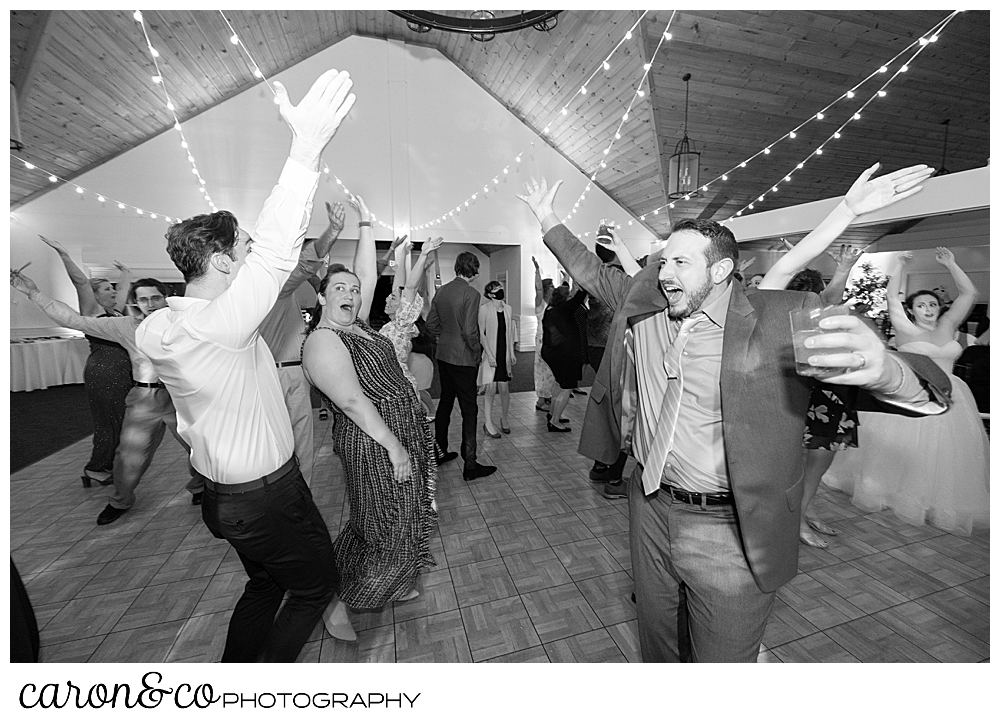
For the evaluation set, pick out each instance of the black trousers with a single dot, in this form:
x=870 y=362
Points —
x=284 y=546
x=458 y=381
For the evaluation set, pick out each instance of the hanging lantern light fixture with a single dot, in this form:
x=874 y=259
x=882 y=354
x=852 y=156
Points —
x=682 y=179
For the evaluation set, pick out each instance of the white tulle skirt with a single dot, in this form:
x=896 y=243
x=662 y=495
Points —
x=927 y=470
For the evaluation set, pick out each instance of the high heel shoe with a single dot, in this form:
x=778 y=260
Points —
x=562 y=420
x=491 y=436
x=88 y=480
x=505 y=430
x=554 y=428
x=337 y=623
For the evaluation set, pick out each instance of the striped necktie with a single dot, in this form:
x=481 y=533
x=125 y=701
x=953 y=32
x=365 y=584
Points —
x=666 y=423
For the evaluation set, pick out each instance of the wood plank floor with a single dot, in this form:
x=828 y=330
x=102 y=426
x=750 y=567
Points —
x=533 y=567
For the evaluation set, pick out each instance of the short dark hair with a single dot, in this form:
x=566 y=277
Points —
x=807 y=280
x=467 y=265
x=560 y=295
x=332 y=270
x=722 y=243
x=191 y=243
x=154 y=283
x=908 y=303
x=491 y=287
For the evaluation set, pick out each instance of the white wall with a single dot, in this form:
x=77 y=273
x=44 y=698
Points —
x=420 y=139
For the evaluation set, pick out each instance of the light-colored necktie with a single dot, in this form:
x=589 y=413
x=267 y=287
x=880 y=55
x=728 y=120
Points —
x=666 y=423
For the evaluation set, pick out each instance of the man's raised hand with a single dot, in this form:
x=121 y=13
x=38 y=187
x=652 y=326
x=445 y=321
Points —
x=317 y=116
x=540 y=197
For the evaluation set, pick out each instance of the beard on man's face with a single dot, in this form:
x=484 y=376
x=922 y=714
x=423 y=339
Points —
x=681 y=303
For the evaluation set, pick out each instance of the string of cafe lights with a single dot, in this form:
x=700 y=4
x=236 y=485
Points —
x=639 y=93
x=160 y=81
x=102 y=198
x=605 y=64
x=924 y=41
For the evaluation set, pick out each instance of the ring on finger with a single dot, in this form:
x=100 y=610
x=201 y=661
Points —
x=863 y=362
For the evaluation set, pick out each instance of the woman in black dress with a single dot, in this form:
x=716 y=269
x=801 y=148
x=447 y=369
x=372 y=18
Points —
x=561 y=350
x=497 y=334
x=107 y=376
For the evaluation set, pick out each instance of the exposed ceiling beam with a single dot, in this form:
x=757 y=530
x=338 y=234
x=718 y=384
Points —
x=647 y=45
x=27 y=65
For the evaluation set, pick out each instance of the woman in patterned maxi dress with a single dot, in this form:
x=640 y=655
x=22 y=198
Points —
x=384 y=443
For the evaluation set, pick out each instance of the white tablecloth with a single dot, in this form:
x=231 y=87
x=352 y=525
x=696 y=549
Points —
x=47 y=363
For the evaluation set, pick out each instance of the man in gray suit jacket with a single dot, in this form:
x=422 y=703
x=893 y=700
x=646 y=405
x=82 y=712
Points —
x=454 y=323
x=700 y=382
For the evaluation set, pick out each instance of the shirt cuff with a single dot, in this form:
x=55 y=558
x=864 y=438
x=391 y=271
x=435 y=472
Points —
x=296 y=177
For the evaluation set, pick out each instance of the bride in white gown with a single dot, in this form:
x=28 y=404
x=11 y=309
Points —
x=928 y=470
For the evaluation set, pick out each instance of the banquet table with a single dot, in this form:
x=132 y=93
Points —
x=44 y=362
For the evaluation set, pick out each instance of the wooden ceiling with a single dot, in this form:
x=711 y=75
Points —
x=85 y=96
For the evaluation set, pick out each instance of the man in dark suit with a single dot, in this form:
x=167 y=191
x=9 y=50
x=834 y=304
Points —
x=454 y=322
x=700 y=385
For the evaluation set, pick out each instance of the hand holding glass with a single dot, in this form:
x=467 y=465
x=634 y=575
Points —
x=805 y=324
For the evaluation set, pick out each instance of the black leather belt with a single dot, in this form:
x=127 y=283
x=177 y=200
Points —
x=288 y=364
x=149 y=385
x=697 y=498
x=254 y=484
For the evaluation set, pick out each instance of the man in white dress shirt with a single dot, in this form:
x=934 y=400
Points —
x=230 y=408
x=283 y=329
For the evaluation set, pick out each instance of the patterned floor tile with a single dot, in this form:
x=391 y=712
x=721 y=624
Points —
x=529 y=655
x=498 y=627
x=559 y=612
x=61 y=585
x=503 y=512
x=481 y=582
x=374 y=645
x=610 y=596
x=962 y=549
x=593 y=647
x=626 y=637
x=73 y=651
x=817 y=603
x=437 y=595
x=941 y=638
x=857 y=587
x=518 y=537
x=815 y=648
x=201 y=639
x=127 y=574
x=604 y=521
x=784 y=624
x=962 y=609
x=153 y=542
x=908 y=581
x=87 y=617
x=437 y=638
x=618 y=545
x=545 y=504
x=163 y=603
x=587 y=558
x=978 y=589
x=140 y=645
x=870 y=641
x=934 y=563
x=536 y=570
x=190 y=563
x=221 y=593
x=560 y=529
x=455 y=520
x=468 y=547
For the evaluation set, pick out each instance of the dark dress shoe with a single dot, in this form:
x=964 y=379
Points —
x=505 y=430
x=480 y=470
x=196 y=499
x=109 y=514
x=446 y=457
x=614 y=490
x=554 y=428
x=562 y=420
x=491 y=436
